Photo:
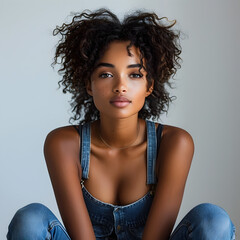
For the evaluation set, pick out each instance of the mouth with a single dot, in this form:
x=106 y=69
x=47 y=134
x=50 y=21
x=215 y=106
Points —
x=120 y=101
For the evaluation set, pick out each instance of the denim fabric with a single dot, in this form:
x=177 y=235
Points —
x=35 y=222
x=151 y=151
x=204 y=222
x=85 y=149
x=152 y=147
x=119 y=222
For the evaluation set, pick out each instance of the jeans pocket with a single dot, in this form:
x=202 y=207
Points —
x=101 y=226
x=136 y=228
x=102 y=230
x=136 y=232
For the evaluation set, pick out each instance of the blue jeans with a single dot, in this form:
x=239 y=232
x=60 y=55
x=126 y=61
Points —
x=205 y=221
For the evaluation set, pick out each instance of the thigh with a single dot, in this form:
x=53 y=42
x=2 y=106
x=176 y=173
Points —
x=36 y=221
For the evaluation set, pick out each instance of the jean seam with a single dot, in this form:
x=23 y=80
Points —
x=187 y=224
x=233 y=233
x=131 y=205
x=57 y=224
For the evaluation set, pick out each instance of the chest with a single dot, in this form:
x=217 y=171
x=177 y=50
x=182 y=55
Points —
x=118 y=177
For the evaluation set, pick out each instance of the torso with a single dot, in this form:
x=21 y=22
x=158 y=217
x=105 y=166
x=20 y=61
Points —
x=118 y=177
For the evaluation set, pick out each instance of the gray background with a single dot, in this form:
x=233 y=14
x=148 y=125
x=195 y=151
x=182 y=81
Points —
x=207 y=90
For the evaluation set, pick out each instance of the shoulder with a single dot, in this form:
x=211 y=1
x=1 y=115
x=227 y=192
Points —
x=177 y=136
x=176 y=144
x=62 y=135
x=62 y=141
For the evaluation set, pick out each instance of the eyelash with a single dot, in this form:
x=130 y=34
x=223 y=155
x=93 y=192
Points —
x=136 y=75
x=103 y=75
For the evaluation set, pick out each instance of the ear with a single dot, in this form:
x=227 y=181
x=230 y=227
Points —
x=88 y=87
x=150 y=89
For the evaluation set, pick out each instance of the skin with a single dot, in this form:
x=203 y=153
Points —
x=118 y=176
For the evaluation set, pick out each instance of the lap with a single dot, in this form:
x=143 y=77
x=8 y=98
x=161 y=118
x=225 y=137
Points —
x=205 y=221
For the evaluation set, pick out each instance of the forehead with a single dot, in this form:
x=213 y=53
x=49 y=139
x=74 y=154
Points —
x=117 y=50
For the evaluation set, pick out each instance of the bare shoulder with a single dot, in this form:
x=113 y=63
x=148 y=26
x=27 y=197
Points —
x=63 y=133
x=178 y=142
x=176 y=135
x=62 y=141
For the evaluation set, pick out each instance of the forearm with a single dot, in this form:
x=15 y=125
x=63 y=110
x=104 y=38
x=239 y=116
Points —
x=76 y=219
x=82 y=231
x=160 y=221
x=158 y=230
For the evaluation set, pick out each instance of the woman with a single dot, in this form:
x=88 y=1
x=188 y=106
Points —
x=118 y=175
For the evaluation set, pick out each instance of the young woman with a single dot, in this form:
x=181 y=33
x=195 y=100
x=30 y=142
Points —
x=118 y=175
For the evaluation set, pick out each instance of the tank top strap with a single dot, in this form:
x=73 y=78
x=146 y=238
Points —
x=85 y=136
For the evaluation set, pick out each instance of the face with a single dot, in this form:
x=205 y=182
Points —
x=118 y=88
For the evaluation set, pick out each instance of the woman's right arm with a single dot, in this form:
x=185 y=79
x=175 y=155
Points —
x=61 y=151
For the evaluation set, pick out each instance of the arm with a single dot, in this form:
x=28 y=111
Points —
x=61 y=150
x=174 y=161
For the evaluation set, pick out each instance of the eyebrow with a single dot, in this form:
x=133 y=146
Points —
x=137 y=65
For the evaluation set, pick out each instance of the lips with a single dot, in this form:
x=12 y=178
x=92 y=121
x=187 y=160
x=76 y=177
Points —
x=120 y=101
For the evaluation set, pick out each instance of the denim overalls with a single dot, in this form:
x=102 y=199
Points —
x=204 y=221
x=112 y=221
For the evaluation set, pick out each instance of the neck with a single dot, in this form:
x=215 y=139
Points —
x=119 y=133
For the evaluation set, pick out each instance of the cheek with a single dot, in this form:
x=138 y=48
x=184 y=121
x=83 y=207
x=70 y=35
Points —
x=141 y=102
x=140 y=98
x=99 y=97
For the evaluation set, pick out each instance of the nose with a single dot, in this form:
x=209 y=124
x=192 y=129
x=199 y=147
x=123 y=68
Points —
x=120 y=85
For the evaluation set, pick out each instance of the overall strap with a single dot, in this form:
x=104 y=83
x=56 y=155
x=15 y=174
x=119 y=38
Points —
x=85 y=136
x=151 y=152
x=153 y=144
x=159 y=136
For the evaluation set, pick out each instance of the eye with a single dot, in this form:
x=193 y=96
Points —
x=105 y=75
x=136 y=75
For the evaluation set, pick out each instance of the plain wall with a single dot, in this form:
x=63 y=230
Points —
x=207 y=89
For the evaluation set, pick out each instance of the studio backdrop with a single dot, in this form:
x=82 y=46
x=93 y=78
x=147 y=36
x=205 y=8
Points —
x=207 y=90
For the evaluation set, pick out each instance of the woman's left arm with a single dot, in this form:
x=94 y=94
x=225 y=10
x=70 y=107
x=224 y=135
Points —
x=174 y=161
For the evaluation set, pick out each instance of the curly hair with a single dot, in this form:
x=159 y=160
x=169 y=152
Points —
x=84 y=41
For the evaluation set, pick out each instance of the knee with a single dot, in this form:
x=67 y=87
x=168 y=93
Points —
x=32 y=213
x=27 y=222
x=213 y=220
